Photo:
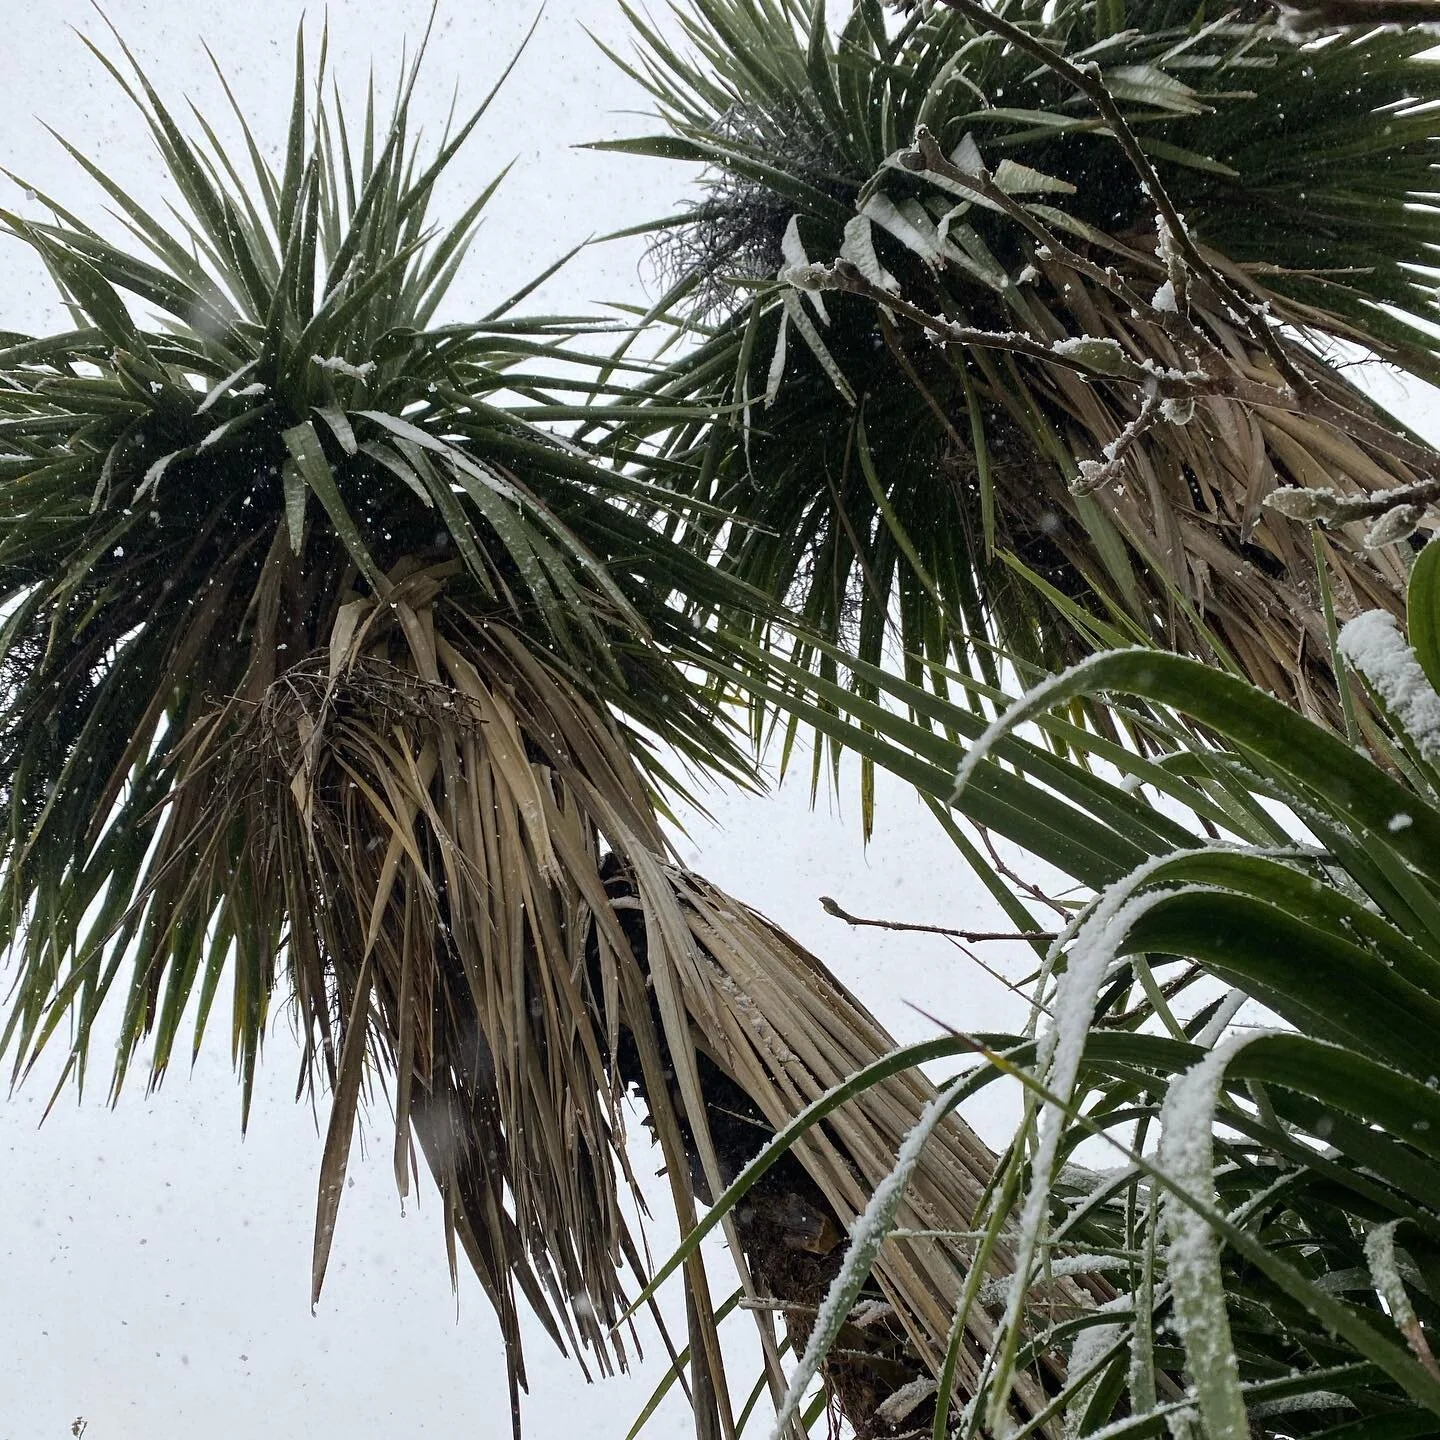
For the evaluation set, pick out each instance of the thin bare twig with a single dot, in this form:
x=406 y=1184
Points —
x=1019 y=991
x=1107 y=361
x=831 y=907
x=1007 y=872
x=1095 y=473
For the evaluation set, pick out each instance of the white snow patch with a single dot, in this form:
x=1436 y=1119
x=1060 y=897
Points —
x=338 y=365
x=1165 y=246
x=1398 y=523
x=1098 y=352
x=1385 y=1272
x=1087 y=1351
x=869 y=1311
x=1177 y=409
x=1187 y=1156
x=792 y=248
x=895 y=1407
x=1372 y=643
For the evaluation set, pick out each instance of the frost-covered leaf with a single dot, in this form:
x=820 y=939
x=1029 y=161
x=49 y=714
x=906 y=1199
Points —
x=1398 y=523
x=1149 y=85
x=338 y=365
x=1373 y=644
x=153 y=476
x=811 y=336
x=1297 y=502
x=796 y=260
x=1095 y=352
x=1017 y=179
x=776 y=372
x=966 y=155
x=908 y=223
x=1187 y=1156
x=973 y=255
x=225 y=386
x=858 y=248
x=295 y=496
x=867 y=1236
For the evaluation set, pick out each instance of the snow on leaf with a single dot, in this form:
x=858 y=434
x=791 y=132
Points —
x=1149 y=85
x=1096 y=352
x=1372 y=643
x=1187 y=1157
x=1227 y=1010
x=296 y=494
x=1097 y=938
x=1017 y=179
x=911 y=226
x=811 y=336
x=338 y=365
x=1396 y=524
x=966 y=155
x=1089 y=1349
x=1385 y=1272
x=224 y=387
x=793 y=249
x=1031 y=703
x=867 y=1235
x=809 y=277
x=859 y=249
x=777 y=363
x=1299 y=503
x=896 y=1406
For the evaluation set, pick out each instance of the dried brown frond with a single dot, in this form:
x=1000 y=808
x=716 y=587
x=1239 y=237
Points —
x=483 y=912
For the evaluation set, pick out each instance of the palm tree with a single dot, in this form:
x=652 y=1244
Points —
x=331 y=665
x=1078 y=284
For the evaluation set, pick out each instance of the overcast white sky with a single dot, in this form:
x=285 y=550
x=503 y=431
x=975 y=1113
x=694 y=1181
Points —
x=154 y=1268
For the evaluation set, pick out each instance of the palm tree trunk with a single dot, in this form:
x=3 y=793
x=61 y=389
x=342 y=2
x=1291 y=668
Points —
x=787 y=1032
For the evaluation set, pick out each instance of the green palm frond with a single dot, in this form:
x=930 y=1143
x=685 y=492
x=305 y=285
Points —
x=328 y=659
x=1228 y=1069
x=1291 y=1151
x=332 y=665
x=888 y=480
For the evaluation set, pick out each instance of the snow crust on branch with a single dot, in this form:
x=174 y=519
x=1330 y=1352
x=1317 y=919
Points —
x=338 y=365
